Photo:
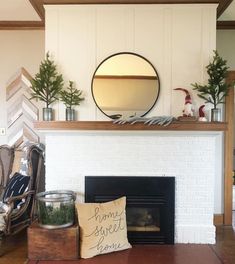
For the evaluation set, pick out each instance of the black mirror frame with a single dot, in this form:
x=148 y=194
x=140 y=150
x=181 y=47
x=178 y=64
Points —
x=121 y=53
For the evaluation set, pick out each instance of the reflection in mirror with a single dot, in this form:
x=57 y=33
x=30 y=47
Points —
x=125 y=85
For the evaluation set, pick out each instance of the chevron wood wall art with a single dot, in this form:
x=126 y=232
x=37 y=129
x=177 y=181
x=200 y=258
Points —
x=21 y=107
x=19 y=81
x=21 y=111
x=21 y=134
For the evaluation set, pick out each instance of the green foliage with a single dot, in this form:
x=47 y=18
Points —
x=217 y=88
x=47 y=83
x=71 y=96
x=50 y=215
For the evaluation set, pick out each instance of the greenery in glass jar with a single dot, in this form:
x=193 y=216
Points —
x=52 y=215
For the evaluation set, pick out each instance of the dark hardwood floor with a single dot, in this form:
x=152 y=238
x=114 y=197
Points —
x=14 y=249
x=225 y=243
x=223 y=252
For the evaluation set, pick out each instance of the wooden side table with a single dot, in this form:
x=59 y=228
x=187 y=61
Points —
x=53 y=244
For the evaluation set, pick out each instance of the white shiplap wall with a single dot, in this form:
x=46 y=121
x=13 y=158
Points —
x=177 y=39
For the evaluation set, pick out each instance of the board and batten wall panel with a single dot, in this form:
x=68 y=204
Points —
x=115 y=33
x=177 y=39
x=73 y=46
x=149 y=42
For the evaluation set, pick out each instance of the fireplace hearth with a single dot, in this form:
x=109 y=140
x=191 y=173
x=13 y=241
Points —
x=150 y=205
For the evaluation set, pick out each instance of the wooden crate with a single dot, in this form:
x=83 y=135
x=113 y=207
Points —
x=56 y=244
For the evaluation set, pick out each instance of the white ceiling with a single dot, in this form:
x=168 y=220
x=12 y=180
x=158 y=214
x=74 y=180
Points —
x=22 y=10
x=17 y=10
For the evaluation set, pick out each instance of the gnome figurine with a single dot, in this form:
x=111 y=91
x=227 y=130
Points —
x=202 y=116
x=188 y=107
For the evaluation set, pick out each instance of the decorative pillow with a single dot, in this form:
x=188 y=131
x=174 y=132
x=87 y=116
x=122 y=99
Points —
x=16 y=186
x=102 y=227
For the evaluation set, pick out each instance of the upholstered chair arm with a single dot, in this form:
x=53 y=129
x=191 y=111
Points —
x=15 y=213
x=11 y=200
x=2 y=190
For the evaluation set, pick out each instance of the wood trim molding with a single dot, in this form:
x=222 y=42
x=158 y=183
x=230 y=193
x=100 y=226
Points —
x=109 y=125
x=69 y=2
x=38 y=6
x=218 y=219
x=228 y=153
x=228 y=24
x=223 y=5
x=22 y=25
x=27 y=25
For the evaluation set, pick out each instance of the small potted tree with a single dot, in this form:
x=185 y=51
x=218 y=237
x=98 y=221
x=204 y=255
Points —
x=217 y=88
x=71 y=97
x=47 y=85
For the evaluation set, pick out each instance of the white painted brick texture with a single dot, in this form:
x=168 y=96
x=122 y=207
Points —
x=191 y=159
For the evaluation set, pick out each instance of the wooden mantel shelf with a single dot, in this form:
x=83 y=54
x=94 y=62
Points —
x=108 y=125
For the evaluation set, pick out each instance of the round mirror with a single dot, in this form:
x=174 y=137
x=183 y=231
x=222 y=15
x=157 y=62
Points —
x=124 y=85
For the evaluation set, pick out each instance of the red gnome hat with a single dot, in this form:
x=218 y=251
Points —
x=188 y=99
x=201 y=111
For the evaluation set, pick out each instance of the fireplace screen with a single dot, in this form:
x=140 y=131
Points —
x=143 y=219
x=150 y=204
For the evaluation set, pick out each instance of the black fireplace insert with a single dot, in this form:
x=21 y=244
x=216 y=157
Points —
x=150 y=207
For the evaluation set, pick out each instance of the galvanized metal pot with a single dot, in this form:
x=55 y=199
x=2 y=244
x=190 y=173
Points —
x=70 y=114
x=216 y=115
x=47 y=114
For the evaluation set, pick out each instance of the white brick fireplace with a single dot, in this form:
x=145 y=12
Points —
x=178 y=40
x=189 y=156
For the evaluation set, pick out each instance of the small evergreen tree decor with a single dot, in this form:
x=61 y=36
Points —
x=47 y=83
x=71 y=97
x=217 y=88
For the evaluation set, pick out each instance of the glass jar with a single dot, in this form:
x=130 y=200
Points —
x=56 y=209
